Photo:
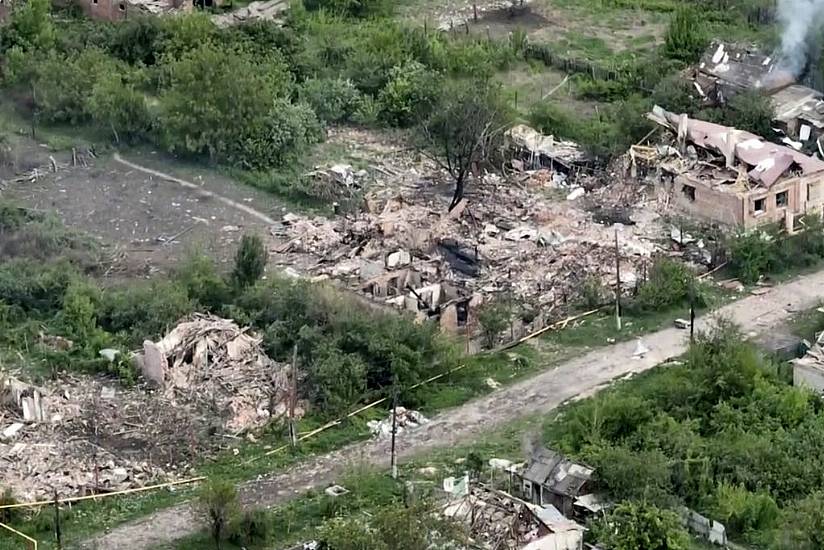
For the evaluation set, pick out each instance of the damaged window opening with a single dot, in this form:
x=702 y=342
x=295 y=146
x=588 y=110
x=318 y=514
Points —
x=688 y=191
x=462 y=312
x=122 y=6
x=760 y=205
x=782 y=199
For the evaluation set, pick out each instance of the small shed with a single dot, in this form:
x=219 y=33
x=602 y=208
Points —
x=551 y=478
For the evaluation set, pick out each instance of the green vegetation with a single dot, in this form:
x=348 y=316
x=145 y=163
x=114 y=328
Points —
x=766 y=252
x=718 y=433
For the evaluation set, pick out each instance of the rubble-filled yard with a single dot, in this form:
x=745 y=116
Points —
x=208 y=382
x=534 y=236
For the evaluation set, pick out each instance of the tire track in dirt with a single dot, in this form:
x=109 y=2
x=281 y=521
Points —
x=257 y=214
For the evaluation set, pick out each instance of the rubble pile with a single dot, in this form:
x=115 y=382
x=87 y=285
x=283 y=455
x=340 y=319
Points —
x=508 y=235
x=405 y=419
x=88 y=435
x=210 y=360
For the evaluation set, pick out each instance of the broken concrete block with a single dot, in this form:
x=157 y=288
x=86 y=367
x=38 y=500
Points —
x=12 y=430
x=491 y=229
x=522 y=233
x=576 y=193
x=109 y=353
x=336 y=491
x=398 y=259
x=682 y=323
x=370 y=270
x=154 y=363
x=107 y=392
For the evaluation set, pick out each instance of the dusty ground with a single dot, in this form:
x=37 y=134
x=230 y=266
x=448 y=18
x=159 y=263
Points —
x=152 y=219
x=578 y=377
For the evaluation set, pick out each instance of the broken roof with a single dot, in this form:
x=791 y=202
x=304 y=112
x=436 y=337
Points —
x=741 y=66
x=538 y=144
x=559 y=474
x=766 y=162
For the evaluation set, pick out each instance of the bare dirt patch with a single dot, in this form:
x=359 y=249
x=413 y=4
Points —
x=151 y=220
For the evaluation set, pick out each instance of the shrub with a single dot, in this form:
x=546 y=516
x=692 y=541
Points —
x=218 y=500
x=752 y=255
x=250 y=261
x=408 y=95
x=33 y=286
x=353 y=8
x=138 y=40
x=143 y=311
x=494 y=319
x=750 y=110
x=676 y=94
x=332 y=99
x=637 y=525
x=8 y=515
x=670 y=283
x=685 y=39
x=741 y=511
x=335 y=380
x=116 y=103
x=250 y=528
x=202 y=283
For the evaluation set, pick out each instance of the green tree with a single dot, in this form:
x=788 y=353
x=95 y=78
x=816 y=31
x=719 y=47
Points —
x=752 y=255
x=465 y=128
x=219 y=503
x=30 y=27
x=803 y=525
x=641 y=526
x=493 y=317
x=250 y=261
x=750 y=110
x=116 y=103
x=335 y=380
x=685 y=39
x=670 y=283
x=408 y=95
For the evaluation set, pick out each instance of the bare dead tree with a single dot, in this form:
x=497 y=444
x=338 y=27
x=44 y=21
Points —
x=463 y=129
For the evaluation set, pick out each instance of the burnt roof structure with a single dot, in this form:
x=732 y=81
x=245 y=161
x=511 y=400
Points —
x=557 y=473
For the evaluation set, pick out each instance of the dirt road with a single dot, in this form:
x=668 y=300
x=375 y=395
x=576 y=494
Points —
x=542 y=393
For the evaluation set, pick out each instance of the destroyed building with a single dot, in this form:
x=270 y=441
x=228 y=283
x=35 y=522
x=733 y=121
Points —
x=118 y=10
x=727 y=69
x=734 y=178
x=205 y=384
x=496 y=520
x=529 y=236
x=550 y=478
x=5 y=10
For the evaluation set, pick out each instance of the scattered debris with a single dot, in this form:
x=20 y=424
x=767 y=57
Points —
x=210 y=358
x=682 y=324
x=336 y=491
x=492 y=383
x=640 y=349
x=406 y=419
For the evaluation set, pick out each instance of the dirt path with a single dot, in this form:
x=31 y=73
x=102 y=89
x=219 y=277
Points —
x=578 y=377
x=260 y=216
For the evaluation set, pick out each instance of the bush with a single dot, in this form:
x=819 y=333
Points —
x=494 y=318
x=117 y=104
x=408 y=95
x=685 y=39
x=353 y=8
x=250 y=261
x=138 y=40
x=742 y=512
x=676 y=94
x=635 y=526
x=34 y=287
x=669 y=284
x=335 y=380
x=218 y=500
x=250 y=528
x=750 y=110
x=143 y=311
x=332 y=99
x=752 y=255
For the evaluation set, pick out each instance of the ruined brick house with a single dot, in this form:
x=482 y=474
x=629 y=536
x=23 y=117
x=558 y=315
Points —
x=735 y=178
x=727 y=69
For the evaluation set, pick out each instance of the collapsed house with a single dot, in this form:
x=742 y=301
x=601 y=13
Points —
x=550 y=478
x=727 y=69
x=734 y=178
x=212 y=382
x=507 y=237
x=118 y=10
x=496 y=520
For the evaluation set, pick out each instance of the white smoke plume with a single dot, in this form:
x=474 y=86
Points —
x=800 y=19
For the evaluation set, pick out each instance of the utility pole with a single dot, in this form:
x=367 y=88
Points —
x=617 y=284
x=293 y=390
x=692 y=312
x=393 y=460
x=57 y=535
